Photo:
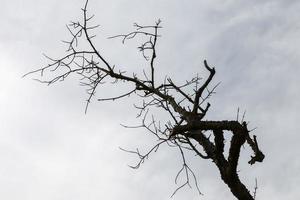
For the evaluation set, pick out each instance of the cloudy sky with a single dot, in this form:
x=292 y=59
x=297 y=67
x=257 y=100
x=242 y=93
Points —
x=51 y=150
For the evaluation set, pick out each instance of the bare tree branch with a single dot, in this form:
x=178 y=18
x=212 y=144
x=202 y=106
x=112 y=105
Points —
x=185 y=129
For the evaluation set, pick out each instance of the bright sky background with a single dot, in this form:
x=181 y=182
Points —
x=51 y=150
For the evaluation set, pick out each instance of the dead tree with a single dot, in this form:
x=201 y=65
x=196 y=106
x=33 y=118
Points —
x=185 y=129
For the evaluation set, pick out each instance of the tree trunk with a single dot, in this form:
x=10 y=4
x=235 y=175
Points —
x=237 y=188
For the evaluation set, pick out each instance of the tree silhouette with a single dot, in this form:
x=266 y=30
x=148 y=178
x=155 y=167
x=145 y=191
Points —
x=186 y=104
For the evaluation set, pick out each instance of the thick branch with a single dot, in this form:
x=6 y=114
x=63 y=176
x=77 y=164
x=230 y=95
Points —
x=240 y=133
x=208 y=125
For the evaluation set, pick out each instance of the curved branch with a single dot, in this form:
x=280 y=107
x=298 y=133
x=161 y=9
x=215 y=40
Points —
x=202 y=88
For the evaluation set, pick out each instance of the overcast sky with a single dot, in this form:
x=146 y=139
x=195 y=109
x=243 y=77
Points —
x=51 y=150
